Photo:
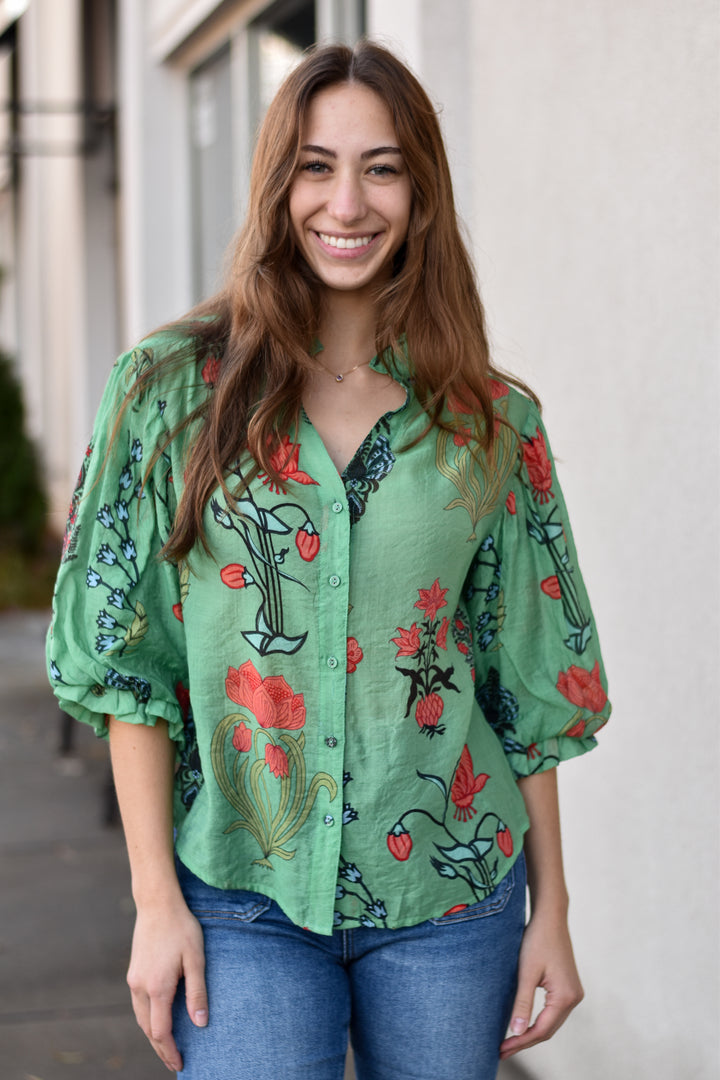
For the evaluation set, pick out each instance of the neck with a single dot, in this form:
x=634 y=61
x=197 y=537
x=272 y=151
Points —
x=347 y=329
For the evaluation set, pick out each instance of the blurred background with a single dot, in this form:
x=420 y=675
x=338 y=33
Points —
x=584 y=142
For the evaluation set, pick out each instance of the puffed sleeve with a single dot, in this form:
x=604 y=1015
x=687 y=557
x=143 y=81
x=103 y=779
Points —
x=116 y=643
x=539 y=675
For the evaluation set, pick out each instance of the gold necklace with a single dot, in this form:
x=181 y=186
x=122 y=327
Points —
x=339 y=377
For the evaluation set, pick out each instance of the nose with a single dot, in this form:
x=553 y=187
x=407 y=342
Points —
x=346 y=201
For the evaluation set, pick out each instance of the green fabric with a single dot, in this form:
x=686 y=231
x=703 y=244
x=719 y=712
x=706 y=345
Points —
x=358 y=673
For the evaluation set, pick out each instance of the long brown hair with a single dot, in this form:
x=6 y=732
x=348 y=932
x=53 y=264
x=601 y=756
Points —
x=265 y=320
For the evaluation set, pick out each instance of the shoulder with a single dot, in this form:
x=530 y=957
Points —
x=516 y=407
x=164 y=377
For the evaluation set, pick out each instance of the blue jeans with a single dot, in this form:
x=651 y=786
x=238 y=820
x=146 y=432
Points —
x=425 y=1002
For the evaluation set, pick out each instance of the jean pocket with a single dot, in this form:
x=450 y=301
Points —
x=210 y=904
x=493 y=904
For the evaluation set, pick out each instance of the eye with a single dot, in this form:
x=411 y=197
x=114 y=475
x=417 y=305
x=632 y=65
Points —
x=382 y=170
x=314 y=167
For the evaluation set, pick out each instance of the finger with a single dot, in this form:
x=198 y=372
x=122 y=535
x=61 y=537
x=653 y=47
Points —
x=547 y=1022
x=161 y=1036
x=523 y=1004
x=196 y=999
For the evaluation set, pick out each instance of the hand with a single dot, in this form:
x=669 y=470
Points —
x=546 y=961
x=167 y=945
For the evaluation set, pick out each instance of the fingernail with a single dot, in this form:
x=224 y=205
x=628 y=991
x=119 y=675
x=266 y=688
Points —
x=518 y=1025
x=201 y=1018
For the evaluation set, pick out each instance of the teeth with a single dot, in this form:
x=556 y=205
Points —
x=345 y=241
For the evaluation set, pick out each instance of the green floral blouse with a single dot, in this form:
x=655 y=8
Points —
x=358 y=673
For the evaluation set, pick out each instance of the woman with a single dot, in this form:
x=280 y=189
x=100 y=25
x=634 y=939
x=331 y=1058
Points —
x=320 y=590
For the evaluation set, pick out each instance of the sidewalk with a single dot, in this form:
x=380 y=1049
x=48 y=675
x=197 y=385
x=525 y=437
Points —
x=65 y=905
x=66 y=912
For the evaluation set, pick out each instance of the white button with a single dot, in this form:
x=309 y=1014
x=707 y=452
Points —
x=332 y=662
x=334 y=580
x=329 y=819
x=337 y=507
x=331 y=741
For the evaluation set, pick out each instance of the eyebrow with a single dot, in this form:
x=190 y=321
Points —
x=375 y=152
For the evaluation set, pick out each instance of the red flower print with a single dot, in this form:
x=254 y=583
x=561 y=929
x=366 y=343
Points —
x=277 y=760
x=183 y=696
x=551 y=587
x=431 y=600
x=307 y=541
x=454 y=910
x=354 y=655
x=504 y=840
x=465 y=786
x=399 y=841
x=538 y=467
x=271 y=699
x=511 y=504
x=211 y=370
x=242 y=738
x=462 y=436
x=285 y=461
x=462 y=647
x=498 y=389
x=235 y=576
x=441 y=639
x=532 y=751
x=428 y=711
x=583 y=688
x=463 y=402
x=409 y=641
x=577 y=730
x=178 y=612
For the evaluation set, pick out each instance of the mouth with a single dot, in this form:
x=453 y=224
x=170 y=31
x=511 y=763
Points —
x=355 y=245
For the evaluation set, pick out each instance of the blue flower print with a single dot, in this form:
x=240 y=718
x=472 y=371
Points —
x=92 y=579
x=377 y=908
x=485 y=640
x=121 y=509
x=106 y=620
x=138 y=491
x=483 y=620
x=351 y=873
x=136 y=450
x=491 y=593
x=125 y=479
x=487 y=543
x=365 y=921
x=128 y=549
x=106 y=555
x=104 y=642
x=105 y=517
x=117 y=598
x=55 y=671
x=337 y=919
x=339 y=892
x=349 y=814
x=140 y=688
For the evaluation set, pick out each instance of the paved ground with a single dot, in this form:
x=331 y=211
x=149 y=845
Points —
x=65 y=905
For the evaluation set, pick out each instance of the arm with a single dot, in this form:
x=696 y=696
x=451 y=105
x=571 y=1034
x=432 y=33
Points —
x=546 y=956
x=167 y=942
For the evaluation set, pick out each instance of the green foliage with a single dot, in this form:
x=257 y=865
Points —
x=23 y=504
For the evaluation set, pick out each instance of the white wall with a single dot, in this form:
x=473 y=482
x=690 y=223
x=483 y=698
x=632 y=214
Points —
x=592 y=131
x=51 y=242
x=155 y=232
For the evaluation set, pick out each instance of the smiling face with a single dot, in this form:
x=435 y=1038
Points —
x=350 y=199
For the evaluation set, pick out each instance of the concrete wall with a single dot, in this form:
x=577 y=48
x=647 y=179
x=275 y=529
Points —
x=585 y=139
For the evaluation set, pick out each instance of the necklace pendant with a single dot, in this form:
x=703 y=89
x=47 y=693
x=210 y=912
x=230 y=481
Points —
x=339 y=378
